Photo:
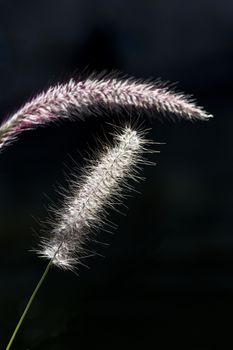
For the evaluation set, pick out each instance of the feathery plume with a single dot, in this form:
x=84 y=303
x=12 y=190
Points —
x=100 y=185
x=87 y=96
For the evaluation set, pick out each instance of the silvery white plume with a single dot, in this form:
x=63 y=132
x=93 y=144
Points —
x=80 y=97
x=100 y=185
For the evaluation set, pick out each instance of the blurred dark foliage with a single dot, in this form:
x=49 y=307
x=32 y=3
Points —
x=167 y=277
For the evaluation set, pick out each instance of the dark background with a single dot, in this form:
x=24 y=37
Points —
x=167 y=277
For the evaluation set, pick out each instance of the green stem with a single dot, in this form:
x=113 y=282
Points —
x=28 y=305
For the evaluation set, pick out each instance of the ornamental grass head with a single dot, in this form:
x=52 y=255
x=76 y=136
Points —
x=102 y=183
x=80 y=97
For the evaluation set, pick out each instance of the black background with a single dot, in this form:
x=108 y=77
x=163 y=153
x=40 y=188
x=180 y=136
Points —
x=167 y=277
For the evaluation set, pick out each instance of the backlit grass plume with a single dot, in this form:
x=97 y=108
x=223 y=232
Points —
x=81 y=97
x=100 y=185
